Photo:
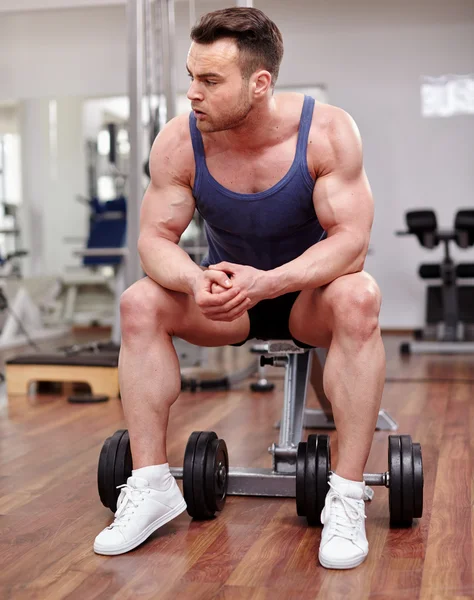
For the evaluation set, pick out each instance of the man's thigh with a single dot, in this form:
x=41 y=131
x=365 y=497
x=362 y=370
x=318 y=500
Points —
x=179 y=314
x=311 y=318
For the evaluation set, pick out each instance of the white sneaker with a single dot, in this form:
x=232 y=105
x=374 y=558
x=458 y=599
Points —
x=141 y=510
x=343 y=540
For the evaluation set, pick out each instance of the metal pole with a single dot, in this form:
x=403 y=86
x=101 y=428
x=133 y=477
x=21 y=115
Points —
x=172 y=58
x=169 y=70
x=245 y=3
x=133 y=270
x=3 y=190
x=192 y=13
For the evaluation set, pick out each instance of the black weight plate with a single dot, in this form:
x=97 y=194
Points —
x=188 y=466
x=262 y=387
x=395 y=473
x=418 y=481
x=201 y=508
x=101 y=471
x=300 y=479
x=310 y=487
x=123 y=464
x=323 y=465
x=87 y=398
x=216 y=475
x=110 y=471
x=408 y=492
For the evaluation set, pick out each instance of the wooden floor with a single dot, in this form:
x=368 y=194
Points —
x=50 y=512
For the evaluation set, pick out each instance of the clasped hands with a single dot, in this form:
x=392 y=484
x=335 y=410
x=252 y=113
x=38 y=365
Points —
x=226 y=291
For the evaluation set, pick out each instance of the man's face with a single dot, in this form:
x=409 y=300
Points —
x=218 y=93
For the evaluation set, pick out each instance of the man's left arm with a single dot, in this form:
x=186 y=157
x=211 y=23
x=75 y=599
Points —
x=344 y=206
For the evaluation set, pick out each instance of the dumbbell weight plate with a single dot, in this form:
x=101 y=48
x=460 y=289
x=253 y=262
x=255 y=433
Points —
x=408 y=482
x=110 y=472
x=262 y=387
x=201 y=508
x=106 y=470
x=395 y=472
x=317 y=467
x=310 y=481
x=188 y=467
x=123 y=464
x=324 y=467
x=418 y=481
x=300 y=479
x=101 y=471
x=203 y=491
x=216 y=475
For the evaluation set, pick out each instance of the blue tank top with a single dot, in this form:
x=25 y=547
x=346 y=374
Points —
x=263 y=230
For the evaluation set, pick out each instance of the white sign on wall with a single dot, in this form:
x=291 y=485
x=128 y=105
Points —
x=447 y=96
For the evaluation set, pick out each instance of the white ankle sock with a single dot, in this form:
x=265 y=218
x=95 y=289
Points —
x=159 y=476
x=347 y=487
x=335 y=478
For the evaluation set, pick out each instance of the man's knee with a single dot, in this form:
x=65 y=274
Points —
x=142 y=307
x=356 y=301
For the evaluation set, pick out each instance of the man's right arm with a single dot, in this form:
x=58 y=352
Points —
x=167 y=209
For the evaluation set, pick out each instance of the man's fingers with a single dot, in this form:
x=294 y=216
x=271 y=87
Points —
x=216 y=288
x=232 y=315
x=219 y=277
x=206 y=299
x=222 y=266
x=240 y=299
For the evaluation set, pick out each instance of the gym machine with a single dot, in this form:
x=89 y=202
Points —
x=95 y=364
x=90 y=297
x=449 y=306
x=22 y=318
x=300 y=469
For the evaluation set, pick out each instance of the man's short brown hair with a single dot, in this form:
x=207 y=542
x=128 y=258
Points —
x=258 y=39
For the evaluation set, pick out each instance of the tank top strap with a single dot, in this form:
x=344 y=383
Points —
x=305 y=125
x=198 y=149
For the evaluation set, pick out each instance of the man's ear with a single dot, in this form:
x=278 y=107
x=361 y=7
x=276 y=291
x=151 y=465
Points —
x=261 y=82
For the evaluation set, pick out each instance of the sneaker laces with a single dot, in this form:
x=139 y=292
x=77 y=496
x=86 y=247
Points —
x=127 y=503
x=346 y=515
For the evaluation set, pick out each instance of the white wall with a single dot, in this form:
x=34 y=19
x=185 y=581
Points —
x=76 y=52
x=371 y=55
x=29 y=5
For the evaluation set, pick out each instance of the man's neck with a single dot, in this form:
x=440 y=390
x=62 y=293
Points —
x=260 y=129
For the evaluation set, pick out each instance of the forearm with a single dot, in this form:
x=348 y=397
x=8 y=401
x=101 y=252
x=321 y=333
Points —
x=168 y=264
x=322 y=263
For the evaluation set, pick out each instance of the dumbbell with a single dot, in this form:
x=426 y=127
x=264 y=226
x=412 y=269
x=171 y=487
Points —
x=205 y=472
x=404 y=479
x=115 y=467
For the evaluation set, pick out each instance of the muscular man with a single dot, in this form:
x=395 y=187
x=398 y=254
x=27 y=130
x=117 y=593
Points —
x=280 y=183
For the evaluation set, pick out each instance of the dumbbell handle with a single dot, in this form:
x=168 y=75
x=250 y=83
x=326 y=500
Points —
x=290 y=454
x=369 y=478
x=377 y=479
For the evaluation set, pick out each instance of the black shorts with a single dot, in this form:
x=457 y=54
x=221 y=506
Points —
x=269 y=320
